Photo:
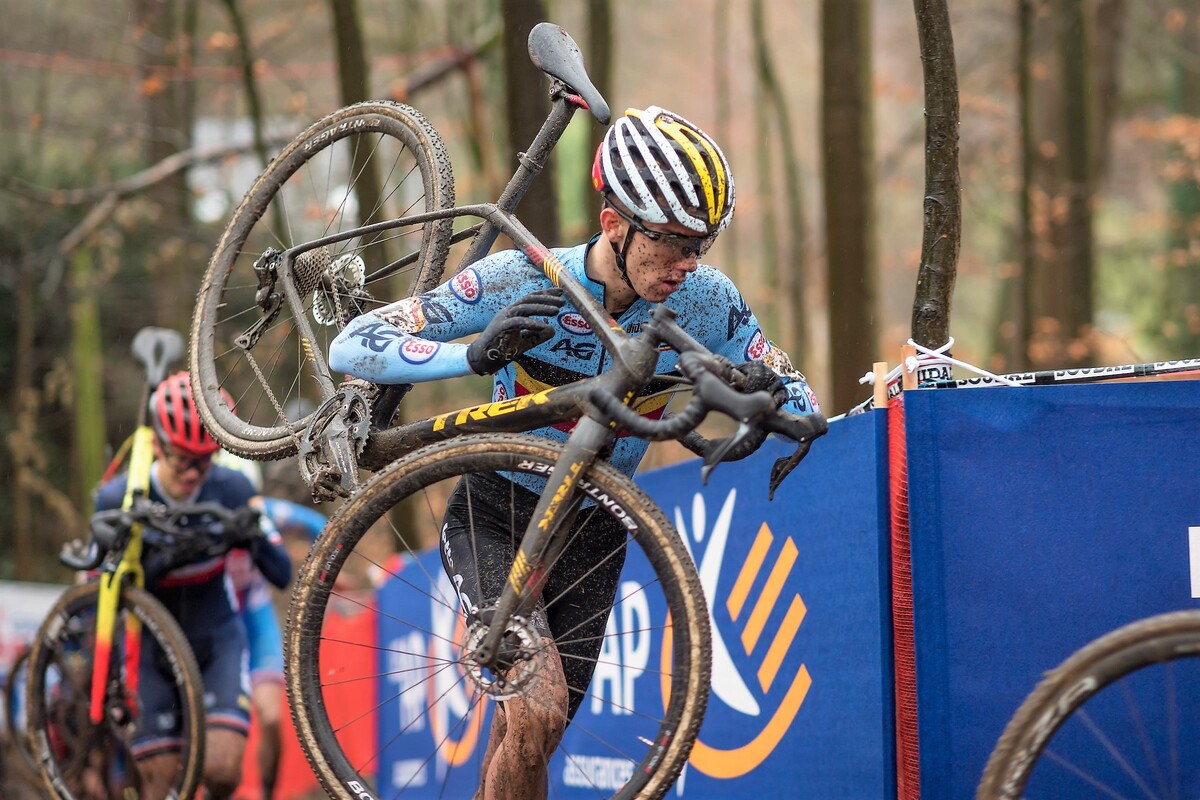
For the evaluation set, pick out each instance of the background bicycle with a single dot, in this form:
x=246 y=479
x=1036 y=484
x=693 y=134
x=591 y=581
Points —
x=102 y=636
x=1115 y=720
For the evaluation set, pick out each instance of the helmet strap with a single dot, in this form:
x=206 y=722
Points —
x=620 y=254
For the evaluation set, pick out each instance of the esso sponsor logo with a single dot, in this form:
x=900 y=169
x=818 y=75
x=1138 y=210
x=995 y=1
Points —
x=466 y=286
x=572 y=322
x=418 y=351
x=812 y=399
x=500 y=395
x=757 y=347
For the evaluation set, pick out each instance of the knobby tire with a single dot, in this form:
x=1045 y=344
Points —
x=75 y=610
x=346 y=775
x=308 y=191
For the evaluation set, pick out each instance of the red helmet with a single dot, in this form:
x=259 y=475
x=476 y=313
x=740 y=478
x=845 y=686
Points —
x=175 y=419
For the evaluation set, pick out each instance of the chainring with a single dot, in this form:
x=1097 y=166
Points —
x=332 y=442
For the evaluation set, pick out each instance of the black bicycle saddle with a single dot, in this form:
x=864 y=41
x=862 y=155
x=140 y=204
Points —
x=555 y=53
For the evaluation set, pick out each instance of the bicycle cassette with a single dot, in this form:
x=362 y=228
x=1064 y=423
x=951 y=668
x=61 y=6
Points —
x=343 y=284
x=332 y=442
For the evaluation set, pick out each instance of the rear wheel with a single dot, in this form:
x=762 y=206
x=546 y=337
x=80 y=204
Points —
x=73 y=755
x=375 y=635
x=366 y=163
x=1113 y=720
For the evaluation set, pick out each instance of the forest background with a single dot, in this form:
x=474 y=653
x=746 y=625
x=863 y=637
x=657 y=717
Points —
x=1079 y=157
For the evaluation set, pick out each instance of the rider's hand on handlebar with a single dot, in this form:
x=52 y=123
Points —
x=759 y=377
x=514 y=330
x=242 y=530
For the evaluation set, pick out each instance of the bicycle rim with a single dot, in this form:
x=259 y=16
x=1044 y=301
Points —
x=417 y=677
x=72 y=753
x=1114 y=720
x=15 y=717
x=362 y=164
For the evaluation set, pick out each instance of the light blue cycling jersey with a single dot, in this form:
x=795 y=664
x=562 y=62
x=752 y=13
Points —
x=411 y=340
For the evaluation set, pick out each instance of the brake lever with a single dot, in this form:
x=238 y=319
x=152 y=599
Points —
x=715 y=455
x=784 y=466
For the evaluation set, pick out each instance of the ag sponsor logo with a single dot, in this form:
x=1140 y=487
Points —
x=757 y=348
x=571 y=348
x=418 y=351
x=771 y=695
x=466 y=286
x=573 y=322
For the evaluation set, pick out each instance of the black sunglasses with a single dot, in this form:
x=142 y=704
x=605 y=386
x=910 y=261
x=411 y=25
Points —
x=181 y=463
x=686 y=246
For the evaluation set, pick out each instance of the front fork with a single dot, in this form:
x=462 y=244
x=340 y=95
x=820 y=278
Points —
x=546 y=535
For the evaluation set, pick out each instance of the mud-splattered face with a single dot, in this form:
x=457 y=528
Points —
x=658 y=269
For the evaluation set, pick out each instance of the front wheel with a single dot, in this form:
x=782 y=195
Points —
x=75 y=756
x=1113 y=720
x=386 y=698
x=362 y=164
x=14 y=713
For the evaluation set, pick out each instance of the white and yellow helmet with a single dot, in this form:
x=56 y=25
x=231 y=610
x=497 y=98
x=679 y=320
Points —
x=664 y=169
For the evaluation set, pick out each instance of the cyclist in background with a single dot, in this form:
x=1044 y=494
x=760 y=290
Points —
x=200 y=597
x=260 y=619
x=668 y=193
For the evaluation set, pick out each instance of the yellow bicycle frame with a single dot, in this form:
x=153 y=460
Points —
x=137 y=485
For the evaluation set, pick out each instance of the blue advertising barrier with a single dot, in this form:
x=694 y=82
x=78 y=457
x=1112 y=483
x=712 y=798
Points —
x=1041 y=518
x=802 y=698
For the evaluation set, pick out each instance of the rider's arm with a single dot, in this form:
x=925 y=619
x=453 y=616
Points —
x=410 y=341
x=747 y=342
x=268 y=552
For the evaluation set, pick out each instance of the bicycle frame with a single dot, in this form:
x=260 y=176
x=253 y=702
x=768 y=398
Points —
x=634 y=359
x=156 y=348
x=129 y=567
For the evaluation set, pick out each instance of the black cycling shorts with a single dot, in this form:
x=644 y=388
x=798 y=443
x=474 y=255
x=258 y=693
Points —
x=579 y=592
x=225 y=674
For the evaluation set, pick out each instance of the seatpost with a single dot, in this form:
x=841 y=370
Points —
x=530 y=164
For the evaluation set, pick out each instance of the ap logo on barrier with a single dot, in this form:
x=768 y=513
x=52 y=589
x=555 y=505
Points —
x=758 y=680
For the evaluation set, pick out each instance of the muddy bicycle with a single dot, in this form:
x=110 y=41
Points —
x=271 y=280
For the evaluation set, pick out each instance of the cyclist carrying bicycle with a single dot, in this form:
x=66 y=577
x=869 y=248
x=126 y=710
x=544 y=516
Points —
x=668 y=193
x=199 y=595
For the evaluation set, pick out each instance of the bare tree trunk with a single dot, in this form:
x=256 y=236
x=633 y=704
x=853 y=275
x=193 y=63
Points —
x=87 y=363
x=723 y=128
x=254 y=105
x=599 y=55
x=848 y=160
x=942 y=234
x=1109 y=25
x=527 y=102
x=354 y=83
x=1181 y=304
x=1025 y=310
x=22 y=392
x=761 y=277
x=166 y=134
x=791 y=269
x=1077 y=165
